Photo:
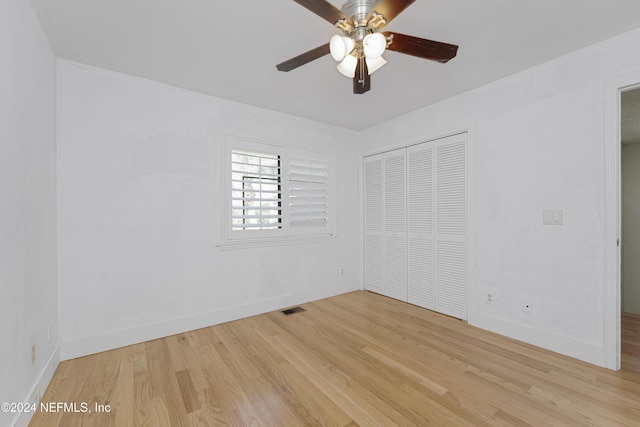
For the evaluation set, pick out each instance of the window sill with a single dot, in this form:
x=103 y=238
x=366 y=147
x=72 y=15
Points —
x=271 y=242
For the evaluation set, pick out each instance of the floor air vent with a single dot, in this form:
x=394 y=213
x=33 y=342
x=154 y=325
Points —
x=293 y=310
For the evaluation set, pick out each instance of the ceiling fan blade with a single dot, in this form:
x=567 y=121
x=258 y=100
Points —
x=422 y=48
x=302 y=59
x=390 y=9
x=324 y=9
x=362 y=79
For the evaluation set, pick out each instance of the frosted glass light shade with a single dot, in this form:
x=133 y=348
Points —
x=374 y=45
x=340 y=46
x=375 y=64
x=348 y=66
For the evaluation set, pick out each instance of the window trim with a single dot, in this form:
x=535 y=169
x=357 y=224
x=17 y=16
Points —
x=230 y=239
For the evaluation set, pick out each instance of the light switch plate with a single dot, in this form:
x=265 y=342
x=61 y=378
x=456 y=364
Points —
x=552 y=217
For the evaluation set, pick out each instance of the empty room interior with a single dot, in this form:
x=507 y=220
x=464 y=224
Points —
x=319 y=213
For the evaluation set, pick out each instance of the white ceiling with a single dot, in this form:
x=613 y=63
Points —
x=230 y=48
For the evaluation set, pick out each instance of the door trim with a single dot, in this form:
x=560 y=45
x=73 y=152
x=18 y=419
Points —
x=612 y=232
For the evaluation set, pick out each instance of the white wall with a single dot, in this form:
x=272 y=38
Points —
x=28 y=300
x=631 y=228
x=139 y=215
x=538 y=142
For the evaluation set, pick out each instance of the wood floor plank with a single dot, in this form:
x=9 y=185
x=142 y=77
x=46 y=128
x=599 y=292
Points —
x=188 y=391
x=352 y=360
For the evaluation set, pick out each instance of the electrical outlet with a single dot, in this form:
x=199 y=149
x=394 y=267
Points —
x=527 y=306
x=341 y=271
x=490 y=298
x=33 y=354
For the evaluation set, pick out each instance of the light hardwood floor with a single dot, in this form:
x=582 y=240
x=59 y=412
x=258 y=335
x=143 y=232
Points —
x=630 y=335
x=355 y=359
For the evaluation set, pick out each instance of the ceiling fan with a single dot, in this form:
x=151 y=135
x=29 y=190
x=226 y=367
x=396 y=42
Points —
x=360 y=46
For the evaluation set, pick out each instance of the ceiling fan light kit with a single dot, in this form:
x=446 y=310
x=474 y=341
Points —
x=360 y=47
x=375 y=64
x=340 y=46
x=374 y=45
x=347 y=66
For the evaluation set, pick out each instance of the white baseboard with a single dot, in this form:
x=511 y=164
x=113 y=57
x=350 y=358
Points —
x=38 y=389
x=587 y=352
x=84 y=346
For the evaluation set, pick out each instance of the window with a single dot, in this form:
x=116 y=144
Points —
x=275 y=192
x=256 y=196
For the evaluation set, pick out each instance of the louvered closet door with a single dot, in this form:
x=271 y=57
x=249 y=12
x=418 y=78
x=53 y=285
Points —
x=420 y=224
x=374 y=273
x=451 y=226
x=395 y=223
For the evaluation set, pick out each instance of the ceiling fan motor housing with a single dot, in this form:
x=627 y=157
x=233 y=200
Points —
x=358 y=10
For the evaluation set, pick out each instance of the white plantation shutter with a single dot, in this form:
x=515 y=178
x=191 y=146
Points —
x=308 y=192
x=256 y=196
x=451 y=226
